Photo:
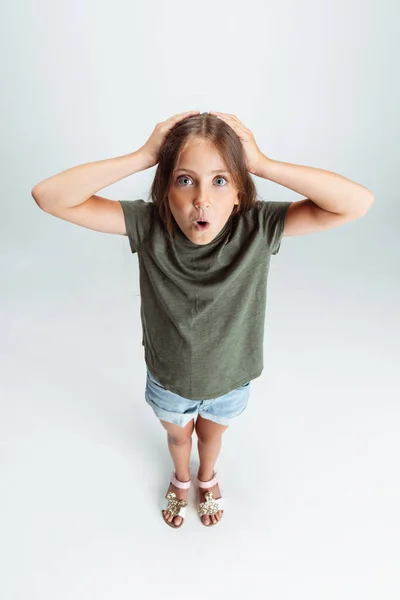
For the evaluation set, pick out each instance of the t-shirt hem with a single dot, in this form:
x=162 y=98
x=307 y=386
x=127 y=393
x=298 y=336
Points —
x=221 y=393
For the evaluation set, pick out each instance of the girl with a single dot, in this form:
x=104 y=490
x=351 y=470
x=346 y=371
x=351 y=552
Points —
x=204 y=245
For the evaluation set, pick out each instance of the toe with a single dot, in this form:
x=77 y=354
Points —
x=206 y=520
x=177 y=520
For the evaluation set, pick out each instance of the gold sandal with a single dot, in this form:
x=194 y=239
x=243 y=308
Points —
x=175 y=507
x=211 y=505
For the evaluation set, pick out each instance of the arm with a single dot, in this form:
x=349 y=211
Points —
x=331 y=198
x=74 y=186
x=71 y=194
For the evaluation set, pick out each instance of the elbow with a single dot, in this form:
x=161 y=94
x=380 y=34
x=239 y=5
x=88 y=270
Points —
x=366 y=204
x=37 y=195
x=369 y=202
x=35 y=192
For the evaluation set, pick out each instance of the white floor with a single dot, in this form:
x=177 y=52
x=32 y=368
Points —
x=310 y=472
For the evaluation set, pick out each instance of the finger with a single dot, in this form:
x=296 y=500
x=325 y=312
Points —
x=184 y=114
x=237 y=121
x=234 y=122
x=218 y=114
x=215 y=112
x=228 y=116
x=236 y=125
x=180 y=116
x=175 y=118
x=222 y=116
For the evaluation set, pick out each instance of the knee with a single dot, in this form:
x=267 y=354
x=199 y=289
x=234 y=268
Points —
x=209 y=433
x=207 y=438
x=178 y=436
x=179 y=439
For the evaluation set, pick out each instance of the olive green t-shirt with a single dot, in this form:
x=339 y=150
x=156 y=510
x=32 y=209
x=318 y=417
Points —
x=203 y=306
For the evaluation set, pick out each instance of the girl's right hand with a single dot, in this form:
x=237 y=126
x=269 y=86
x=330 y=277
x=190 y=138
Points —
x=151 y=148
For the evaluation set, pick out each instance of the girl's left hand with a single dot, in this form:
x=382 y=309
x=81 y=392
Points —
x=252 y=152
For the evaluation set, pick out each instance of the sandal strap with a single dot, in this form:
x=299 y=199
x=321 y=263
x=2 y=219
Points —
x=183 y=485
x=207 y=484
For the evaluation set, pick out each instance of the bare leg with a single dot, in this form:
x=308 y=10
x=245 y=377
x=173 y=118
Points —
x=209 y=441
x=180 y=446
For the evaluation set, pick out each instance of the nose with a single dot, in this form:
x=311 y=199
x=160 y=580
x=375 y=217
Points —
x=201 y=203
x=202 y=211
x=202 y=200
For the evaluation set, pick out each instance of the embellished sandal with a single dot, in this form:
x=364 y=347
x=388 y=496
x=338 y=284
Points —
x=211 y=505
x=173 y=505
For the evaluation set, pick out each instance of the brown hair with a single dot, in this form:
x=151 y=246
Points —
x=227 y=143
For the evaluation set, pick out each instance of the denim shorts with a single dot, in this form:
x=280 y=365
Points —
x=178 y=410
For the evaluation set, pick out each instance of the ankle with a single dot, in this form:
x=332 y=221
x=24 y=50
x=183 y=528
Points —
x=183 y=475
x=205 y=475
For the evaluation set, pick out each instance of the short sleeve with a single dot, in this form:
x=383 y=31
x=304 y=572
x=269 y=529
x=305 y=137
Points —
x=272 y=217
x=137 y=215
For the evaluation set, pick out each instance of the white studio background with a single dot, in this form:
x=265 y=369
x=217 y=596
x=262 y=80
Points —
x=310 y=471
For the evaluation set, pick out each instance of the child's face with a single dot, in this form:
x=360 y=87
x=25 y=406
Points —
x=198 y=193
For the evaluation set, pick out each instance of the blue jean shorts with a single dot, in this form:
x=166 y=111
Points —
x=178 y=410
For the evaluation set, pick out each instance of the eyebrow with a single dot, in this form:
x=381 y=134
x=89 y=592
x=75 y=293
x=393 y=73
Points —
x=190 y=171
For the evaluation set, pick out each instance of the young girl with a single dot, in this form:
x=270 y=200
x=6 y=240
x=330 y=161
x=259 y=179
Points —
x=204 y=245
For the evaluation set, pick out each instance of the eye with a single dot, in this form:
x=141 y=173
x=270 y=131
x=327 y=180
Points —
x=182 y=177
x=186 y=177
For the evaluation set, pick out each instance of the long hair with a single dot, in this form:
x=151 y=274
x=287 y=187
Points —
x=226 y=142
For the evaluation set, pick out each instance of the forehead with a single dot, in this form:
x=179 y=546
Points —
x=200 y=156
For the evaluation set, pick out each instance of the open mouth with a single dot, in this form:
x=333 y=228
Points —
x=201 y=225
